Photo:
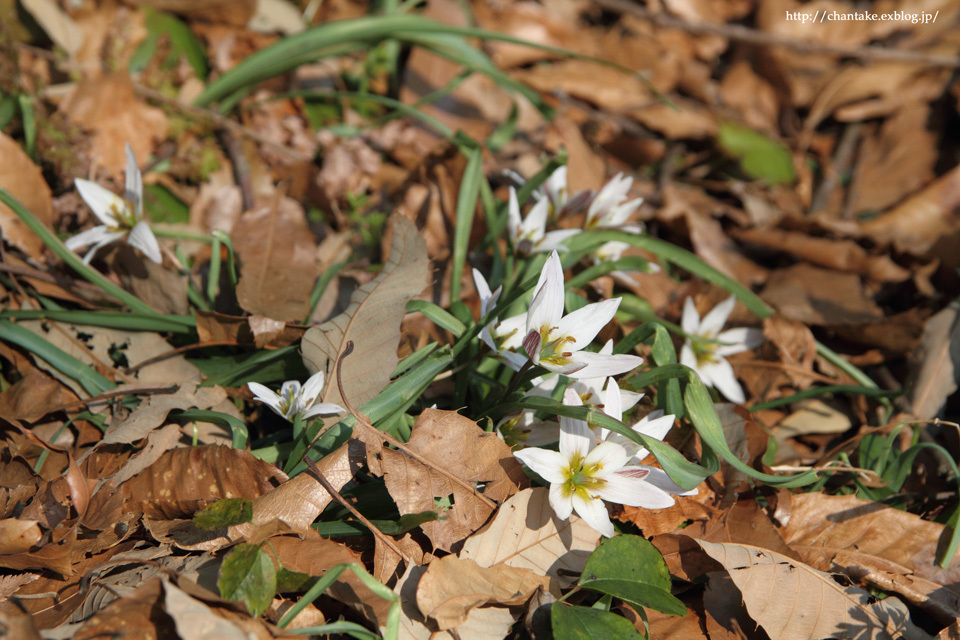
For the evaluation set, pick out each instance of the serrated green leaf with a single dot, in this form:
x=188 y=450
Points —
x=224 y=513
x=584 y=623
x=248 y=575
x=760 y=157
x=630 y=568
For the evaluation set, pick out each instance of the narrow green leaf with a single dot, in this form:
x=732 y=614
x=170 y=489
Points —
x=438 y=315
x=248 y=575
x=224 y=513
x=238 y=428
x=584 y=623
x=126 y=321
x=87 y=376
x=29 y=119
x=466 y=207
x=630 y=568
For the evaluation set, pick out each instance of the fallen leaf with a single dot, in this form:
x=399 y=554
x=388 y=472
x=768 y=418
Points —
x=819 y=296
x=935 y=370
x=452 y=587
x=793 y=601
x=919 y=222
x=813 y=416
x=24 y=180
x=278 y=264
x=231 y=12
x=108 y=107
x=525 y=533
x=795 y=345
x=371 y=322
x=18 y=535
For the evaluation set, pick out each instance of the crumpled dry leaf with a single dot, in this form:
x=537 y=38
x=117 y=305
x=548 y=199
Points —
x=233 y=12
x=452 y=587
x=820 y=297
x=277 y=261
x=525 y=533
x=371 y=322
x=792 y=601
x=917 y=224
x=109 y=108
x=935 y=374
x=795 y=346
x=813 y=416
x=24 y=180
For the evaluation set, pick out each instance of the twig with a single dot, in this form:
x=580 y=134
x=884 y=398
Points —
x=752 y=36
x=841 y=162
x=219 y=120
x=44 y=276
x=241 y=167
x=142 y=391
x=179 y=350
x=364 y=422
x=315 y=472
x=784 y=367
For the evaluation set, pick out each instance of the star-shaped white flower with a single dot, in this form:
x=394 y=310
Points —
x=121 y=217
x=556 y=341
x=583 y=474
x=707 y=358
x=591 y=391
x=608 y=208
x=292 y=399
x=502 y=337
x=529 y=234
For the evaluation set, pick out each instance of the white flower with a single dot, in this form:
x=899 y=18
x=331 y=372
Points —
x=292 y=399
x=529 y=234
x=655 y=425
x=707 y=358
x=523 y=427
x=504 y=336
x=583 y=474
x=121 y=217
x=590 y=390
x=608 y=208
x=556 y=341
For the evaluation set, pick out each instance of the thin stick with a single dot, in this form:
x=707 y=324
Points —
x=318 y=476
x=753 y=36
x=143 y=391
x=179 y=350
x=364 y=421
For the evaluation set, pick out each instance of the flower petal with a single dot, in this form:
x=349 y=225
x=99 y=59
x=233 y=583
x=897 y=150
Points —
x=630 y=491
x=312 y=387
x=266 y=395
x=576 y=439
x=660 y=479
x=105 y=204
x=561 y=502
x=724 y=380
x=608 y=457
x=96 y=235
x=534 y=225
x=740 y=339
x=611 y=400
x=689 y=359
x=583 y=325
x=323 y=409
x=142 y=238
x=594 y=513
x=547 y=464
x=690 y=323
x=714 y=320
x=655 y=426
x=553 y=240
x=546 y=308
x=595 y=365
x=133 y=191
x=513 y=217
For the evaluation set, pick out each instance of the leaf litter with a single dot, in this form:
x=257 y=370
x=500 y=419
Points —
x=310 y=215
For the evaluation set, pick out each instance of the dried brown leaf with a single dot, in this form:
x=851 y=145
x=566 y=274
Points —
x=793 y=601
x=452 y=587
x=795 y=345
x=371 y=322
x=18 y=535
x=24 y=180
x=820 y=297
x=278 y=261
x=936 y=363
x=525 y=533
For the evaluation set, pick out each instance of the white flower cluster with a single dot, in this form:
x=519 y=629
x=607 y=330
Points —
x=608 y=208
